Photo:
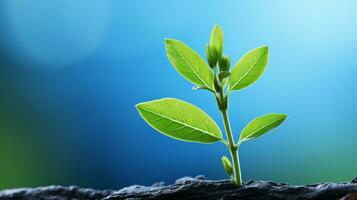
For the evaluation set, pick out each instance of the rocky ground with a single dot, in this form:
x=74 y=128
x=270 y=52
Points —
x=188 y=188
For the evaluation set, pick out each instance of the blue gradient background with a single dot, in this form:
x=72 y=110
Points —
x=72 y=71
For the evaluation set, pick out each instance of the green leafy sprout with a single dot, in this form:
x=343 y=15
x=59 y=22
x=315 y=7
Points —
x=183 y=121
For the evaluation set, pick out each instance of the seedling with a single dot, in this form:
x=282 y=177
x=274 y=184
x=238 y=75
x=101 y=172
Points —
x=184 y=121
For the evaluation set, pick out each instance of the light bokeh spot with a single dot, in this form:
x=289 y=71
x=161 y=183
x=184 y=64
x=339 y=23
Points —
x=58 y=32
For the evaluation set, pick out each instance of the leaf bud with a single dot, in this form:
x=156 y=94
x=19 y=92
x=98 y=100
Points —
x=227 y=165
x=211 y=55
x=224 y=63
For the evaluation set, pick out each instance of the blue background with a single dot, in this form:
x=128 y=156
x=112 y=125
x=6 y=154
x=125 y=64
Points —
x=72 y=71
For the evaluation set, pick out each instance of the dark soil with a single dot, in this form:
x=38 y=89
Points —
x=188 y=188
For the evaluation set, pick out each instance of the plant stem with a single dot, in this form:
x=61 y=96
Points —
x=222 y=102
x=232 y=148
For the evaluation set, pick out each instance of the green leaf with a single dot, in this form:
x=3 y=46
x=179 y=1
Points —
x=216 y=40
x=261 y=125
x=227 y=165
x=188 y=63
x=249 y=68
x=180 y=120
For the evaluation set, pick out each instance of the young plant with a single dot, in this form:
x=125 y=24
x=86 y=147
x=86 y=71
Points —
x=184 y=121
